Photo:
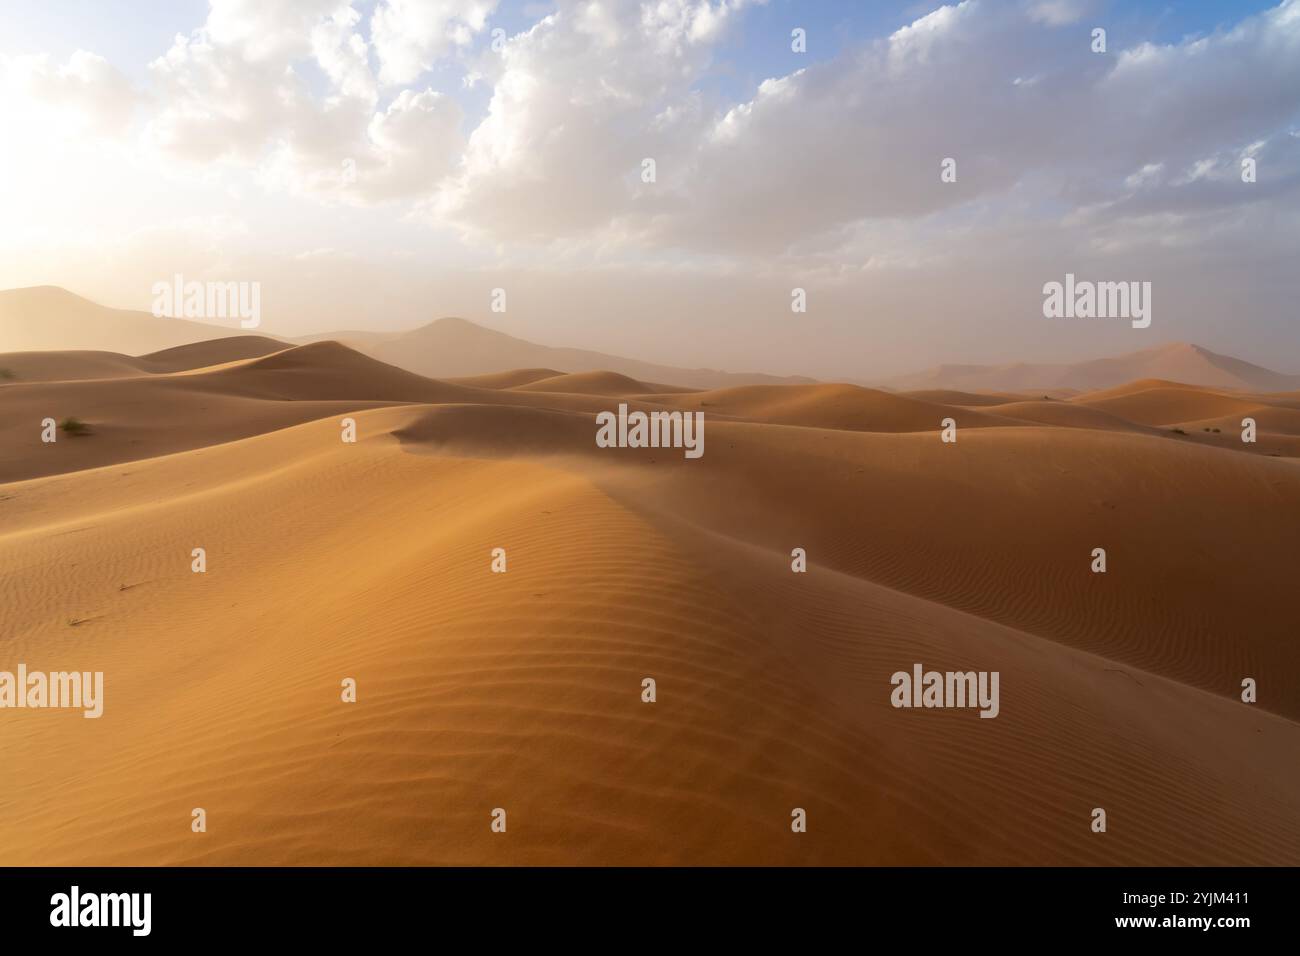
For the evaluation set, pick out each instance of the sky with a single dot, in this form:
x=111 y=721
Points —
x=379 y=164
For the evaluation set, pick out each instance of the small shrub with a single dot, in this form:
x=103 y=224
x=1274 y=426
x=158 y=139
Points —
x=6 y=374
x=74 y=426
x=1178 y=431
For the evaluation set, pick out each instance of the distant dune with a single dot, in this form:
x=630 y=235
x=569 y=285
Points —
x=522 y=690
x=510 y=379
x=51 y=319
x=1163 y=403
x=945 y=396
x=75 y=365
x=599 y=383
x=1179 y=361
x=1065 y=415
x=46 y=318
x=827 y=406
x=452 y=347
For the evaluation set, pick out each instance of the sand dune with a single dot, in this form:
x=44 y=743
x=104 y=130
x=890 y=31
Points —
x=829 y=406
x=1196 y=411
x=522 y=690
x=133 y=419
x=1174 y=610
x=589 y=383
x=519 y=376
x=599 y=383
x=1067 y=415
x=453 y=347
x=329 y=370
x=1175 y=361
x=59 y=366
x=1133 y=387
x=68 y=366
x=947 y=396
x=1166 y=404
x=198 y=355
x=143 y=416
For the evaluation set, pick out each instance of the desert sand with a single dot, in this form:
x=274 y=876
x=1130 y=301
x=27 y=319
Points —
x=522 y=690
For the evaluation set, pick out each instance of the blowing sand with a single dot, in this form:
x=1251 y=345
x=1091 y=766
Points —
x=522 y=690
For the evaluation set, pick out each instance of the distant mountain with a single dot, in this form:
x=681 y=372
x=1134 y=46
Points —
x=47 y=318
x=456 y=348
x=1176 y=362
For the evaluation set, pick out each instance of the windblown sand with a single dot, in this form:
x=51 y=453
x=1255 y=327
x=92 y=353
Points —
x=522 y=690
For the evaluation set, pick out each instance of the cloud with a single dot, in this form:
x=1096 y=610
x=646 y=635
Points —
x=410 y=35
x=812 y=162
x=416 y=142
x=343 y=53
x=578 y=102
x=833 y=158
x=239 y=90
x=823 y=151
x=262 y=30
x=1058 y=13
x=85 y=93
x=214 y=104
